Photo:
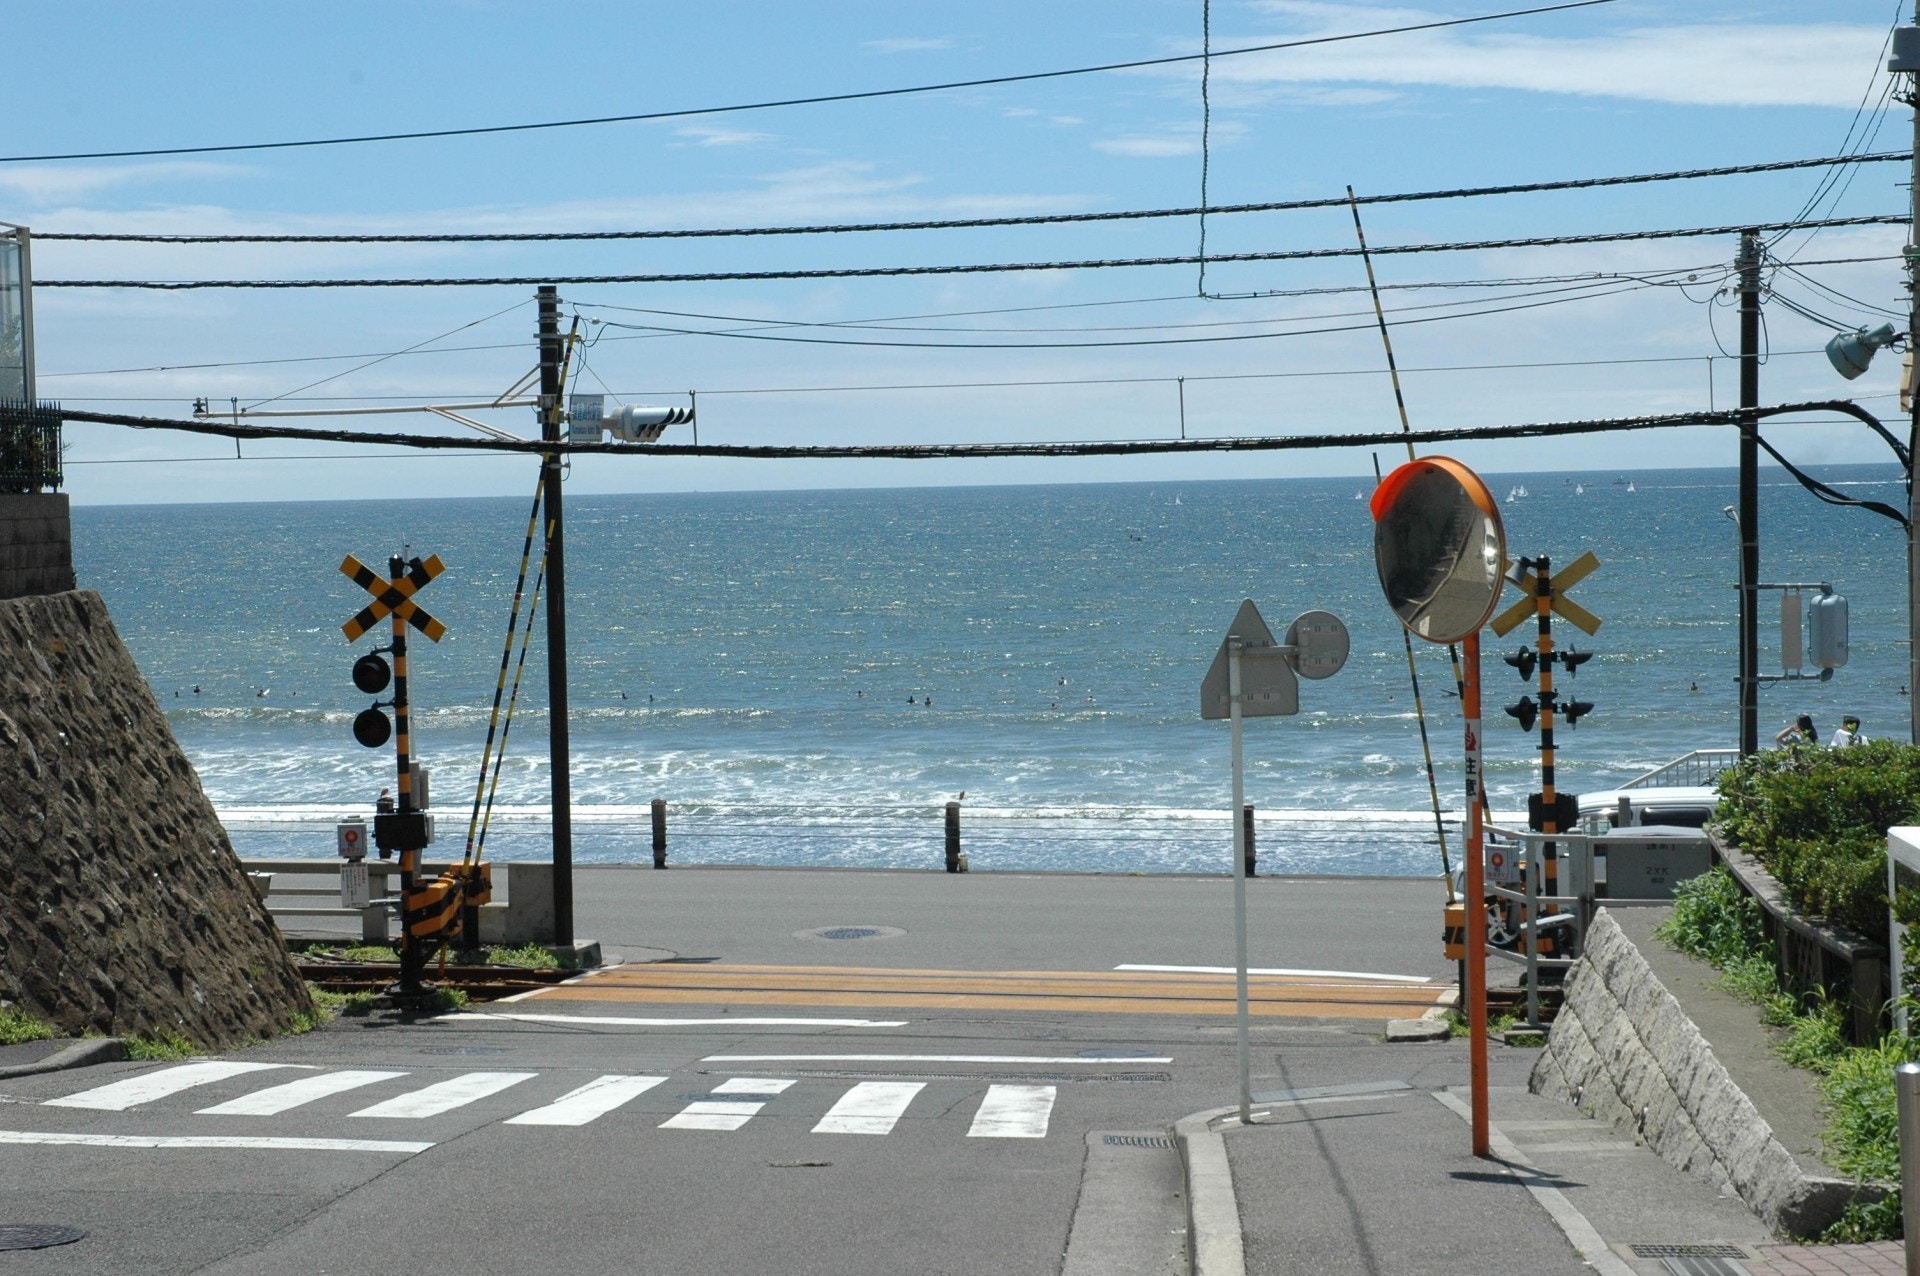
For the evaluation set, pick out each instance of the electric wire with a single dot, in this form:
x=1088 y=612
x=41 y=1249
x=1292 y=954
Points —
x=957 y=451
x=867 y=95
x=986 y=268
x=481 y=793
x=982 y=223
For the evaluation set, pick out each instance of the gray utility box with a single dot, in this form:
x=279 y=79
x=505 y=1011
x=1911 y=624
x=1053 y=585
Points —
x=1647 y=861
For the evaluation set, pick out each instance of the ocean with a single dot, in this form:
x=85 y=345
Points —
x=809 y=677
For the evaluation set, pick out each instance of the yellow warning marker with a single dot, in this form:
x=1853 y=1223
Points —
x=394 y=597
x=1578 y=570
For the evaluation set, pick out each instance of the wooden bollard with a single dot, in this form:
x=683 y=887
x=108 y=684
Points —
x=659 y=832
x=1246 y=831
x=954 y=858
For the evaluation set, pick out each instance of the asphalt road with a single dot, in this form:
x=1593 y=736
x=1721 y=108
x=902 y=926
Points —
x=901 y=1106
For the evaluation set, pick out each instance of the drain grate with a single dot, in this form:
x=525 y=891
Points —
x=1138 y=1141
x=1713 y=1250
x=463 y=1050
x=848 y=932
x=37 y=1235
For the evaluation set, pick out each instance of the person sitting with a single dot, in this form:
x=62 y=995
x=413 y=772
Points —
x=1801 y=732
x=1849 y=733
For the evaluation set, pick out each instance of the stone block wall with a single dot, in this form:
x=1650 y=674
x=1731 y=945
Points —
x=123 y=908
x=36 y=544
x=1622 y=1050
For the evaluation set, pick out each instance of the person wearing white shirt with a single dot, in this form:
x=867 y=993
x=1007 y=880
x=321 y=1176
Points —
x=1848 y=733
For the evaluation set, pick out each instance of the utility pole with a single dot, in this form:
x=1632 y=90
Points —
x=1906 y=56
x=1748 y=263
x=558 y=746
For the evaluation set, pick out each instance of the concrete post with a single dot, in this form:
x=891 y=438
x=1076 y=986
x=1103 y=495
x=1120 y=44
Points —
x=1906 y=1086
x=1246 y=820
x=659 y=832
x=953 y=837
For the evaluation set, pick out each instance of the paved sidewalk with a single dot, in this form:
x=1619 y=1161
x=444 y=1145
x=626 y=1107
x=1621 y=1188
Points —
x=1882 y=1258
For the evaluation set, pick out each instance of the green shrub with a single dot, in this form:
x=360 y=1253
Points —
x=1714 y=920
x=17 y=1026
x=1818 y=819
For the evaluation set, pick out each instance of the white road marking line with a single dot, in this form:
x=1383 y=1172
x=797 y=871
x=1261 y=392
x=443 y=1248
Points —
x=209 y=1141
x=121 y=1095
x=1013 y=1112
x=708 y=1114
x=929 y=1058
x=444 y=1096
x=726 y=1021
x=872 y=1107
x=593 y=1100
x=279 y=1098
x=1277 y=970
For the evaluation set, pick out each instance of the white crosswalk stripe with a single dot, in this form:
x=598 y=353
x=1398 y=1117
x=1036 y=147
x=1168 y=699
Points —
x=727 y=1114
x=118 y=1096
x=872 y=1107
x=445 y=1096
x=1013 y=1112
x=867 y=1107
x=281 y=1098
x=594 y=1099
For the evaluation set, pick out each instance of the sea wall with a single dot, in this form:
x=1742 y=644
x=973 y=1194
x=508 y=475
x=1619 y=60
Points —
x=36 y=544
x=1621 y=1049
x=123 y=908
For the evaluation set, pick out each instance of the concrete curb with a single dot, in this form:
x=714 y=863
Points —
x=1214 y=1245
x=80 y=1054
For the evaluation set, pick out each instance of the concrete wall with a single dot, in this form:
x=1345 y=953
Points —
x=36 y=544
x=1623 y=1050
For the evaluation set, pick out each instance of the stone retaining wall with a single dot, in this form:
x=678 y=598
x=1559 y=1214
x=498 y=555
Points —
x=36 y=544
x=123 y=908
x=1622 y=1050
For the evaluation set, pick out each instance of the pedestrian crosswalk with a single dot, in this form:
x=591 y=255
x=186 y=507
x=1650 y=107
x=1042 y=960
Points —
x=1005 y=1110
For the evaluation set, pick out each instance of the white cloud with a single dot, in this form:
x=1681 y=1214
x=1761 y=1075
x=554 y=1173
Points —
x=711 y=135
x=1813 y=64
x=46 y=183
x=1149 y=147
x=906 y=44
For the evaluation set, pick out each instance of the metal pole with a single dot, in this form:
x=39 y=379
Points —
x=1906 y=1088
x=1749 y=266
x=1239 y=881
x=1913 y=428
x=1476 y=897
x=558 y=746
x=412 y=960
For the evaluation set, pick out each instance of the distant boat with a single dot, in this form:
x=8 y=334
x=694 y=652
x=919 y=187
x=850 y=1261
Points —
x=1629 y=485
x=1359 y=495
x=1176 y=500
x=1579 y=489
x=1621 y=481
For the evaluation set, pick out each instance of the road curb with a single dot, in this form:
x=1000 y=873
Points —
x=1214 y=1245
x=80 y=1054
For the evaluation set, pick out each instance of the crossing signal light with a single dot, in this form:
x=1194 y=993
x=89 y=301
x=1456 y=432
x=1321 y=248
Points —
x=1574 y=659
x=1574 y=710
x=1526 y=711
x=636 y=424
x=372 y=674
x=1523 y=660
x=371 y=728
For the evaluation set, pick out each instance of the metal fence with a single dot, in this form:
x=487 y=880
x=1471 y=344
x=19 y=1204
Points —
x=29 y=447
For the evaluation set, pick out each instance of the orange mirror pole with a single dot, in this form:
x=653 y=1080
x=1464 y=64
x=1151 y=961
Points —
x=1476 y=895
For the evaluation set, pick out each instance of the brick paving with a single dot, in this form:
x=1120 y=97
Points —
x=1881 y=1258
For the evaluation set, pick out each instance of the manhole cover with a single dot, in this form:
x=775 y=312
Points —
x=1118 y=1052
x=37 y=1235
x=463 y=1050
x=850 y=932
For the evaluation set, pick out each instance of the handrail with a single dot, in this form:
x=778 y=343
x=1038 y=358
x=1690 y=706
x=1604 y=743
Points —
x=1693 y=770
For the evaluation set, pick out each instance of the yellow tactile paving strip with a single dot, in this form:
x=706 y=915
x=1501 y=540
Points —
x=1050 y=991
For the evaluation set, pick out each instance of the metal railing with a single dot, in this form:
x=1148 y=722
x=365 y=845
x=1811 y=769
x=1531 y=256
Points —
x=1695 y=770
x=1572 y=905
x=29 y=446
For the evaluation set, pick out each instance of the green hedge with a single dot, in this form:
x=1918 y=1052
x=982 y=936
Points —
x=1817 y=818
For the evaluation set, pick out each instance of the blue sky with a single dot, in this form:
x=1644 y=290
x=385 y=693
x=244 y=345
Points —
x=1631 y=86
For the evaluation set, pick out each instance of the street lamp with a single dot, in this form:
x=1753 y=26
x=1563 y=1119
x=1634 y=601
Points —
x=1851 y=352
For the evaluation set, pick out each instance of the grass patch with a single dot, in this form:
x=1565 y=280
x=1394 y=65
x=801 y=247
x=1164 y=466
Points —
x=449 y=999
x=334 y=1004
x=1715 y=921
x=531 y=956
x=369 y=952
x=161 y=1047
x=17 y=1026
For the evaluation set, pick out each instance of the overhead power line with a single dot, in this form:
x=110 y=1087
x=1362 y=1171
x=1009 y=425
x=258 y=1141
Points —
x=879 y=272
x=867 y=95
x=979 y=223
x=957 y=451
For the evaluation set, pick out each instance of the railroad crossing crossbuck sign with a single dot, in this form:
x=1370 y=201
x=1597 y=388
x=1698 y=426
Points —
x=393 y=597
